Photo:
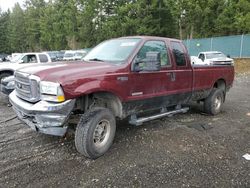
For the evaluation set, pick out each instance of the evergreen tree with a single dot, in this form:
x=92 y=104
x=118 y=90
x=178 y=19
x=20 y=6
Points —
x=73 y=24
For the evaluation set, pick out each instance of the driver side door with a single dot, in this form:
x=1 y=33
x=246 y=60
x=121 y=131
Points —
x=147 y=88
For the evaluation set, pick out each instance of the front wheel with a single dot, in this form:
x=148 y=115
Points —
x=213 y=103
x=95 y=132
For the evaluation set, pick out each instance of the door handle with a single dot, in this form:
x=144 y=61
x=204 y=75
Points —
x=172 y=76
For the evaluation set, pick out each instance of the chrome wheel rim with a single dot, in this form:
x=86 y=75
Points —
x=101 y=133
x=217 y=102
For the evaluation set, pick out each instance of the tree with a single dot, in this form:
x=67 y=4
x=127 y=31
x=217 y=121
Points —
x=16 y=31
x=73 y=24
x=4 y=24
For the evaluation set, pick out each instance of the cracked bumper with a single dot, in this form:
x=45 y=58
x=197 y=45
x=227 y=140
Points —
x=45 y=117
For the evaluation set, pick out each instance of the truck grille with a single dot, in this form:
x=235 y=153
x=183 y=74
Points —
x=26 y=87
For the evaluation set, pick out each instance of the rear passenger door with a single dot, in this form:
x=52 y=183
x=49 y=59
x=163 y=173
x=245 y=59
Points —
x=182 y=83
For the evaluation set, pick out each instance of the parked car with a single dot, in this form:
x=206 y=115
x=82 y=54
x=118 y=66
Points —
x=22 y=60
x=53 y=55
x=211 y=58
x=7 y=85
x=60 y=55
x=69 y=55
x=3 y=57
x=80 y=55
x=74 y=55
x=122 y=78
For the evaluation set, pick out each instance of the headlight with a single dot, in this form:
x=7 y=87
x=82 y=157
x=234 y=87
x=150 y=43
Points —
x=11 y=85
x=51 y=91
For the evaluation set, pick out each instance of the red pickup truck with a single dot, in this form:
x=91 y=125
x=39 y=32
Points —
x=129 y=77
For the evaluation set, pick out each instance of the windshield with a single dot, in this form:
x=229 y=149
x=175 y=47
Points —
x=116 y=50
x=16 y=58
x=215 y=55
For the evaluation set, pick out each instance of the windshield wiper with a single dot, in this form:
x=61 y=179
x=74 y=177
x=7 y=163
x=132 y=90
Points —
x=95 y=59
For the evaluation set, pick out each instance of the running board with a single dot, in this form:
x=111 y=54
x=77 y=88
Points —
x=139 y=121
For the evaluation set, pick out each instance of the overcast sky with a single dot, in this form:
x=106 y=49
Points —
x=5 y=4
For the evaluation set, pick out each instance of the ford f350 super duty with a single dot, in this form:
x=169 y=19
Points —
x=128 y=77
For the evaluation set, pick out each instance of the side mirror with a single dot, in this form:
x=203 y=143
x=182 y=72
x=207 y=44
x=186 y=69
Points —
x=228 y=56
x=21 y=61
x=152 y=62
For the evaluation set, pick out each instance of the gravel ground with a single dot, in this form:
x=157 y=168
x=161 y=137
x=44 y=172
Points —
x=188 y=150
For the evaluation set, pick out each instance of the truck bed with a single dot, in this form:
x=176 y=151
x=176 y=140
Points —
x=204 y=77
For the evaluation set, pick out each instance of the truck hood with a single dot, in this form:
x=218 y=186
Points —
x=9 y=66
x=14 y=66
x=62 y=72
x=221 y=59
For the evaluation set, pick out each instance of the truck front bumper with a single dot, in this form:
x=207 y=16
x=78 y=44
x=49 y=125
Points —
x=45 y=117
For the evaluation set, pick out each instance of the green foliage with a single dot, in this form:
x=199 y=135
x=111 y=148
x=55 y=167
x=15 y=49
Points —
x=4 y=24
x=72 y=24
x=16 y=30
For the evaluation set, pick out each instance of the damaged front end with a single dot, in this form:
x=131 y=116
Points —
x=42 y=116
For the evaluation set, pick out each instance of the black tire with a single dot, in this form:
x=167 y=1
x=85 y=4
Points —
x=4 y=75
x=85 y=141
x=213 y=103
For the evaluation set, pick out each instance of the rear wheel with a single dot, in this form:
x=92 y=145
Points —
x=213 y=103
x=95 y=132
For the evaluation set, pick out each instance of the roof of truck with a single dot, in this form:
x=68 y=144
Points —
x=150 y=37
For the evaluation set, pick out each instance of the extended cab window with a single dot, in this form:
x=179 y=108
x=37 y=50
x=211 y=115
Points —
x=43 y=58
x=179 y=54
x=154 y=46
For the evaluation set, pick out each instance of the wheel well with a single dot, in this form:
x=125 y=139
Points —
x=7 y=71
x=220 y=84
x=101 y=99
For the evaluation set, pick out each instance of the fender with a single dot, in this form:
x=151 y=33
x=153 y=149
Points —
x=93 y=87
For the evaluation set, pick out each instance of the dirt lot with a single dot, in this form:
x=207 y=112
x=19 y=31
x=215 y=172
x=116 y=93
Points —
x=190 y=150
x=242 y=65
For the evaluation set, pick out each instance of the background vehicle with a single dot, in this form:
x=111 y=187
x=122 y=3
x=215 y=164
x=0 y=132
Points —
x=3 y=57
x=60 y=55
x=69 y=55
x=22 y=60
x=127 y=77
x=211 y=58
x=53 y=55
x=74 y=55
x=79 y=55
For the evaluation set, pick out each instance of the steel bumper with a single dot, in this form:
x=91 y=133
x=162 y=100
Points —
x=45 y=117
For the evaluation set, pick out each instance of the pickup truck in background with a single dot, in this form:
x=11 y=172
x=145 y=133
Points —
x=211 y=58
x=138 y=78
x=20 y=61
